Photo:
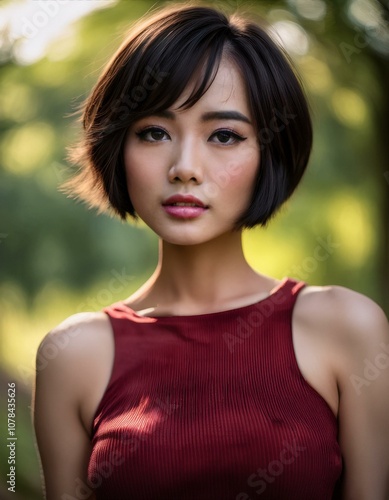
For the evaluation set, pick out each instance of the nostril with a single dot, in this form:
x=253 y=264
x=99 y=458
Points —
x=179 y=179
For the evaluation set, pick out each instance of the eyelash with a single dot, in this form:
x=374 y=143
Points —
x=237 y=138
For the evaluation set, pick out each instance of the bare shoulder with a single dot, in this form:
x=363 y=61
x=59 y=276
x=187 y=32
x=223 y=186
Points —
x=76 y=359
x=76 y=346
x=343 y=313
x=75 y=333
x=348 y=326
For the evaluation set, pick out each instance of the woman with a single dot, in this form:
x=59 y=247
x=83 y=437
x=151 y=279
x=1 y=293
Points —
x=211 y=381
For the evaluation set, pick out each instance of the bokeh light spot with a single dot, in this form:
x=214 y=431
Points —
x=350 y=220
x=292 y=37
x=349 y=107
x=317 y=74
x=28 y=147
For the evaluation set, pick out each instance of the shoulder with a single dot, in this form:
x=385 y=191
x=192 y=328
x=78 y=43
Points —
x=75 y=346
x=352 y=325
x=75 y=332
x=341 y=309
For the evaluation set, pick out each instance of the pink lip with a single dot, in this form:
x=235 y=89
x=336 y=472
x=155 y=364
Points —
x=184 y=198
x=184 y=212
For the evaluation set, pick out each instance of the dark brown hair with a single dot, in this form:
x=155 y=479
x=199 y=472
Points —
x=149 y=72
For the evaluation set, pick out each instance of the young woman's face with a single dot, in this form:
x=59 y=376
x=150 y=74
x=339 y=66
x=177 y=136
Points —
x=208 y=151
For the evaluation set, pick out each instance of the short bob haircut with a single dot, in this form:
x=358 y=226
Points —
x=148 y=74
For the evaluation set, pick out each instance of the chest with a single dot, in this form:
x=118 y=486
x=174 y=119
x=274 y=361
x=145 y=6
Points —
x=185 y=414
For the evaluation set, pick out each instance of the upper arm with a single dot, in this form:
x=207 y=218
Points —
x=362 y=367
x=63 y=443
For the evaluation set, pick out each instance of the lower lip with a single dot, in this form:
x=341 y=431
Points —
x=184 y=212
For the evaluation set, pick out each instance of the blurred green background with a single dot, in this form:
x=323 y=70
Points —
x=58 y=258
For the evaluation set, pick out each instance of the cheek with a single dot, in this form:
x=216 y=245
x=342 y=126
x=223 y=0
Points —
x=239 y=173
x=139 y=170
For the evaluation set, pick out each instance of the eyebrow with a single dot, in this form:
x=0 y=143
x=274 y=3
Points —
x=209 y=116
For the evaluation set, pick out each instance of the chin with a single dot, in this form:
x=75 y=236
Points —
x=184 y=238
x=186 y=233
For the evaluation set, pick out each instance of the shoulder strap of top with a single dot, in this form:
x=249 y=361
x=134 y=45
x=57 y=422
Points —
x=286 y=295
x=295 y=287
x=119 y=311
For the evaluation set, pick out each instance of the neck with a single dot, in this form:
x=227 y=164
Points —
x=202 y=275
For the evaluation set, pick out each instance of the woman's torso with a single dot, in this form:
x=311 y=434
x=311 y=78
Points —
x=309 y=360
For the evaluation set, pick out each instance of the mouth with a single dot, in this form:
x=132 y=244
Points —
x=184 y=207
x=184 y=200
x=183 y=204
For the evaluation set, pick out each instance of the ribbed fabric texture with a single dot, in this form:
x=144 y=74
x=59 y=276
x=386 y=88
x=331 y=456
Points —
x=212 y=407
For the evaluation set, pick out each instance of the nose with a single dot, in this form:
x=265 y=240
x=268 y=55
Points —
x=186 y=165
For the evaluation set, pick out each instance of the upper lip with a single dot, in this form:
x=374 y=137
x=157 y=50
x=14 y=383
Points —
x=184 y=198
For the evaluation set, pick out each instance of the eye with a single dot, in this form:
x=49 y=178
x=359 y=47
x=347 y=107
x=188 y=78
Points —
x=152 y=134
x=227 y=137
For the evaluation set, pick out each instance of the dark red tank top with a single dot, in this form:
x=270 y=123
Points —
x=212 y=407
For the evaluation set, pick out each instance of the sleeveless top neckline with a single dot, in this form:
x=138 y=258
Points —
x=272 y=295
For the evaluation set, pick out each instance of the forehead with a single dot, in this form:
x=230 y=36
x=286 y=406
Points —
x=227 y=90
